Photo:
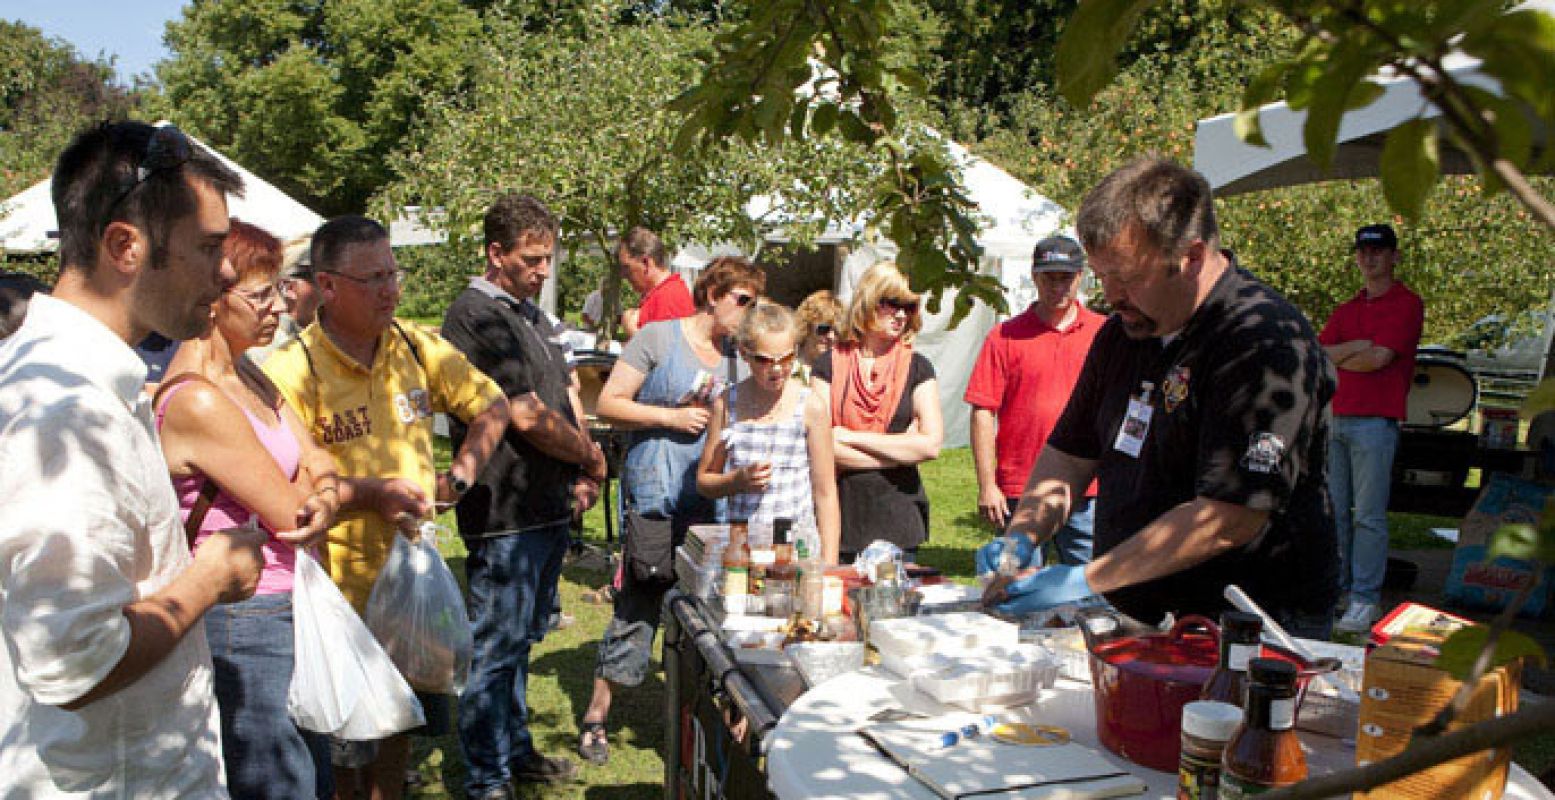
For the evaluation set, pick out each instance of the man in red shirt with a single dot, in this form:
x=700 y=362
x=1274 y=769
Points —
x=1019 y=387
x=1371 y=338
x=641 y=257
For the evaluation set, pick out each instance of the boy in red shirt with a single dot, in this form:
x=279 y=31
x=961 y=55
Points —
x=1371 y=338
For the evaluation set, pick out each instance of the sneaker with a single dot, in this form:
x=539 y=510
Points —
x=1359 y=617
x=1342 y=606
x=543 y=769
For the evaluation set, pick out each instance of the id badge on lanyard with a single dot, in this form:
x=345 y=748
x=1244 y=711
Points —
x=1136 y=423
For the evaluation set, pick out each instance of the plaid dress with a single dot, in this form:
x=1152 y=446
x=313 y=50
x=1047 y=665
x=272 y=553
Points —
x=781 y=443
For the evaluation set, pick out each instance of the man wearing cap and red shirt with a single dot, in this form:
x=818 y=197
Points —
x=641 y=257
x=1371 y=339
x=1021 y=382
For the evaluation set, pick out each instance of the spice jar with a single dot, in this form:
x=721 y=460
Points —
x=1206 y=727
x=1265 y=752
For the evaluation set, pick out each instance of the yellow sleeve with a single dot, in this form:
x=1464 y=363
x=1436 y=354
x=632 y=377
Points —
x=458 y=388
x=288 y=370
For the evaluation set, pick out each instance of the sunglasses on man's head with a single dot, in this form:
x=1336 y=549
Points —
x=167 y=149
x=896 y=304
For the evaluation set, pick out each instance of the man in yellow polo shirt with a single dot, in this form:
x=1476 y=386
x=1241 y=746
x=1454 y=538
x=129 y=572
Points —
x=367 y=386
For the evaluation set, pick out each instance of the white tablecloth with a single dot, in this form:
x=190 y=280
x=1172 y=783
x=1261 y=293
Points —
x=814 y=751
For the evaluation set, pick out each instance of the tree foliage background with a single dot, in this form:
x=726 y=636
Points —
x=356 y=105
x=48 y=91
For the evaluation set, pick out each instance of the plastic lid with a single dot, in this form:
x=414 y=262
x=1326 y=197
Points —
x=1209 y=720
x=1241 y=627
x=1273 y=673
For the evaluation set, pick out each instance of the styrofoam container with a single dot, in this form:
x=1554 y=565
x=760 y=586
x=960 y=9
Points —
x=997 y=675
x=819 y=662
x=957 y=632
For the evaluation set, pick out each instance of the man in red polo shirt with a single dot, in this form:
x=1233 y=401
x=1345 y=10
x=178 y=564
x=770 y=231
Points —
x=1371 y=338
x=641 y=257
x=1020 y=385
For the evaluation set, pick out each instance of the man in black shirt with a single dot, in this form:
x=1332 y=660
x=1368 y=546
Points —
x=515 y=517
x=1202 y=411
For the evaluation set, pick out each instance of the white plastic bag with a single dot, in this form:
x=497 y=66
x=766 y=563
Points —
x=342 y=681
x=417 y=612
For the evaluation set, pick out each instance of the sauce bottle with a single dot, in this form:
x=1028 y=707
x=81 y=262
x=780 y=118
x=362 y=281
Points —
x=1264 y=752
x=736 y=571
x=1239 y=645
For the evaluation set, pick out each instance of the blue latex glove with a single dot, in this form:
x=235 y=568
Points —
x=1052 y=586
x=987 y=558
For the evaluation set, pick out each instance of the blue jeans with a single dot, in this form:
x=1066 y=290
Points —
x=266 y=754
x=1073 y=541
x=1360 y=471
x=512 y=593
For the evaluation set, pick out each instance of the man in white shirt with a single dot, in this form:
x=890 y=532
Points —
x=105 y=677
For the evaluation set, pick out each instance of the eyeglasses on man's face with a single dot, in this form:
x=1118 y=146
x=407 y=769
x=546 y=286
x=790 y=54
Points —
x=377 y=279
x=166 y=150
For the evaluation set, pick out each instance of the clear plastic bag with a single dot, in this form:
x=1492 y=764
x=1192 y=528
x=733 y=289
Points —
x=417 y=612
x=342 y=681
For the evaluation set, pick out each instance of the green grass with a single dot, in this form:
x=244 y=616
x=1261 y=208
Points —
x=562 y=666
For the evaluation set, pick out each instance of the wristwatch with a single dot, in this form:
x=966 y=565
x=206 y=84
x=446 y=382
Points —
x=458 y=484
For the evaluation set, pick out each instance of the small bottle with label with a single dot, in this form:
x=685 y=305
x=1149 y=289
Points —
x=1206 y=727
x=812 y=581
x=1264 y=752
x=736 y=571
x=1240 y=643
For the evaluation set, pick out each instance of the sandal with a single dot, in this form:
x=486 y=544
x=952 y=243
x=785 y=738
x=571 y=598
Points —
x=593 y=743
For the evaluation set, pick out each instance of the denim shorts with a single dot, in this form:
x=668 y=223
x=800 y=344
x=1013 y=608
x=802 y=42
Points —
x=251 y=653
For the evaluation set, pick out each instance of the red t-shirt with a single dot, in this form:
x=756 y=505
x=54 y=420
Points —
x=1024 y=374
x=669 y=300
x=1392 y=320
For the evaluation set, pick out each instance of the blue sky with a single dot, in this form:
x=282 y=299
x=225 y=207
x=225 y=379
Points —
x=128 y=29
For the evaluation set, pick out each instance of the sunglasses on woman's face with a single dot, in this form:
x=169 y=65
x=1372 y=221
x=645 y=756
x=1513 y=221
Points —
x=824 y=329
x=908 y=307
x=742 y=299
x=764 y=360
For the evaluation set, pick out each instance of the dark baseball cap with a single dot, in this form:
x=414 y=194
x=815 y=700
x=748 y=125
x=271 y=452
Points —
x=1058 y=254
x=1376 y=236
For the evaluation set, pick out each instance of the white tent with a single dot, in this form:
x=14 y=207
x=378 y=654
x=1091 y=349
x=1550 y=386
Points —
x=28 y=225
x=1233 y=166
x=1015 y=217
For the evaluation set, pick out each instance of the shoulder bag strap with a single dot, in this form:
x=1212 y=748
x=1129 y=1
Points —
x=202 y=505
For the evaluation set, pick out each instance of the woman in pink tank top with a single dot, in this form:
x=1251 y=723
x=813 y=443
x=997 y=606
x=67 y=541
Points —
x=237 y=453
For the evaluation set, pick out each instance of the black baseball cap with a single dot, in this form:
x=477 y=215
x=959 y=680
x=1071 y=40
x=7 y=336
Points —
x=1058 y=254
x=1376 y=236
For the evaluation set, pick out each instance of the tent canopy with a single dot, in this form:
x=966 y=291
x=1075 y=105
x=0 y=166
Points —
x=28 y=224
x=1234 y=167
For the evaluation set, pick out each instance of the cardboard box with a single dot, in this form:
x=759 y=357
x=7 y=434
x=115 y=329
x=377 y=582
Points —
x=1403 y=691
x=1474 y=582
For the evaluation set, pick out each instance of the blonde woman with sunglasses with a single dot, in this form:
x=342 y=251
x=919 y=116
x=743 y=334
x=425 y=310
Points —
x=769 y=447
x=884 y=412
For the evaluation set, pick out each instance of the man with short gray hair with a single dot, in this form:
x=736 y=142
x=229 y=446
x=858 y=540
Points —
x=1202 y=414
x=644 y=264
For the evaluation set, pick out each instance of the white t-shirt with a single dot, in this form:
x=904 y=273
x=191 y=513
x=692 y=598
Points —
x=90 y=524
